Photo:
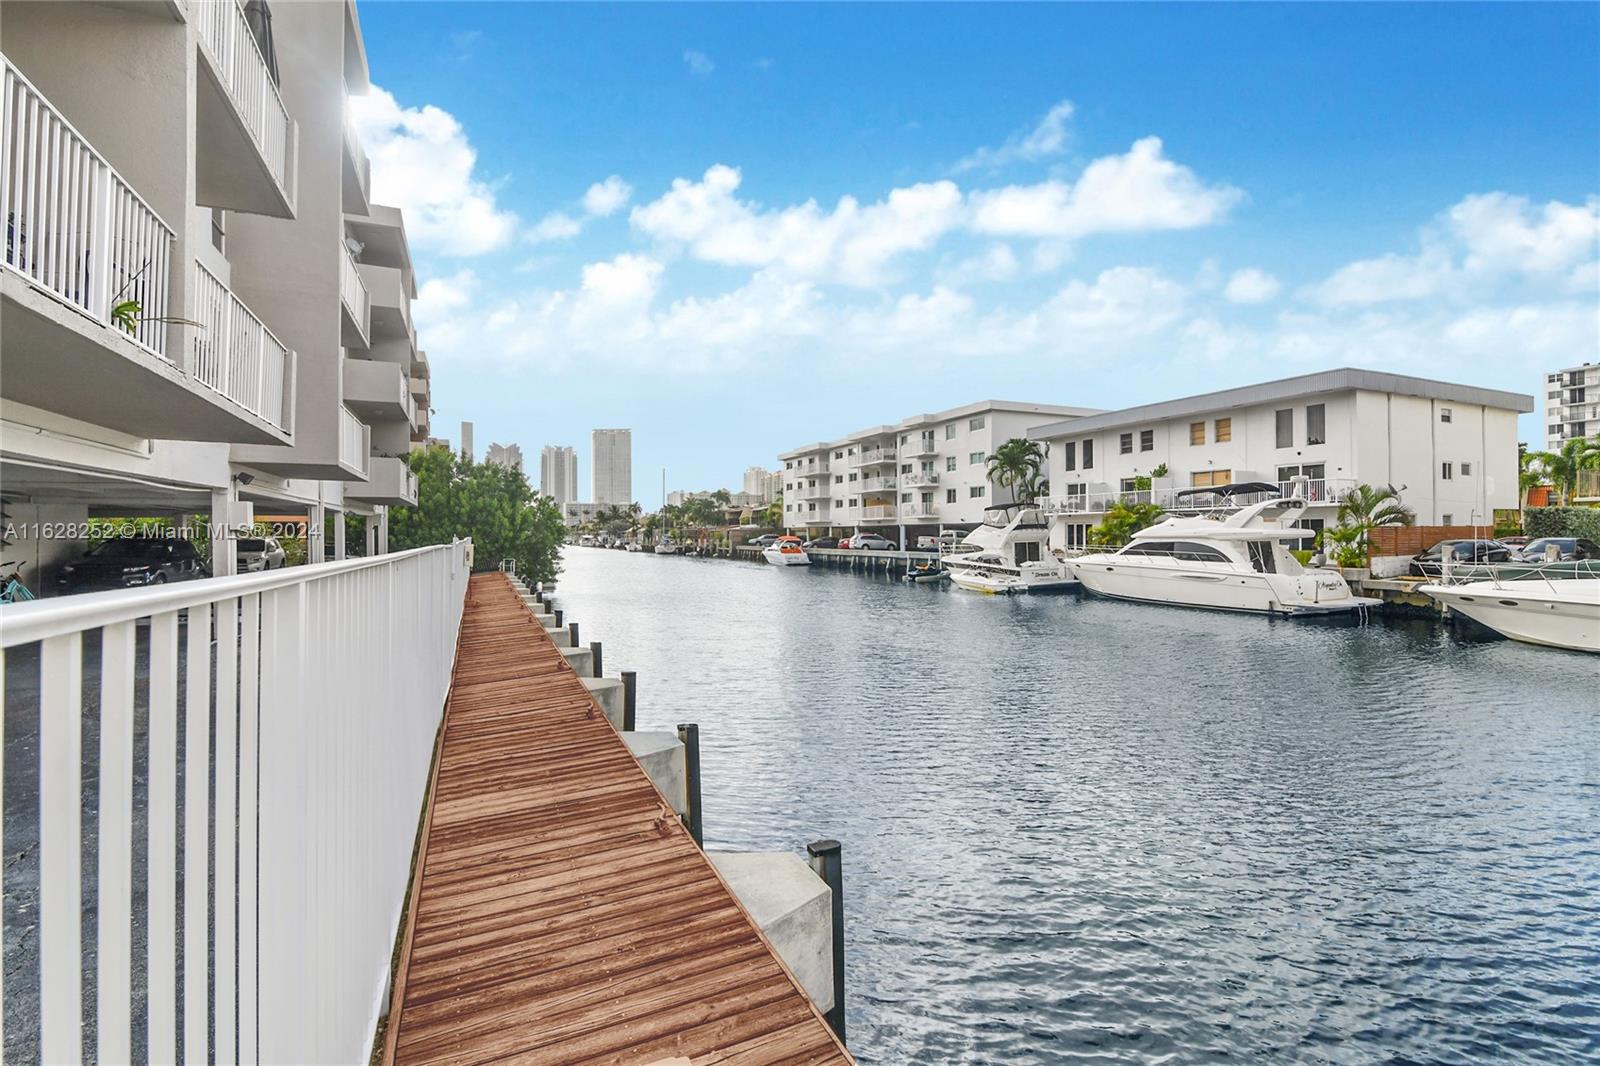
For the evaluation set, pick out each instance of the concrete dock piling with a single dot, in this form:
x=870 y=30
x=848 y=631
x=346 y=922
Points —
x=630 y=700
x=826 y=861
x=689 y=737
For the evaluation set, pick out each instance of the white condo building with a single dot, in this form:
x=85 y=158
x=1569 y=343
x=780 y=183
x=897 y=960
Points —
x=1572 y=405
x=558 y=473
x=1450 y=449
x=758 y=481
x=204 y=313
x=506 y=455
x=611 y=472
x=922 y=473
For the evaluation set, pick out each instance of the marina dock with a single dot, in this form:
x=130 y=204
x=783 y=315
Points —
x=562 y=913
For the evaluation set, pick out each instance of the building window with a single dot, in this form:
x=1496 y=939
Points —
x=949 y=495
x=1197 y=433
x=976 y=423
x=1127 y=443
x=853 y=501
x=976 y=492
x=950 y=462
x=1224 y=430
x=1147 y=440
x=1286 y=428
x=1207 y=478
x=838 y=479
x=853 y=476
x=950 y=431
x=789 y=465
x=1130 y=484
x=1069 y=455
x=974 y=458
x=905 y=497
x=1446 y=472
x=838 y=455
x=905 y=468
x=1466 y=469
x=1316 y=423
x=1447 y=519
x=1088 y=455
x=1445 y=414
x=219 y=230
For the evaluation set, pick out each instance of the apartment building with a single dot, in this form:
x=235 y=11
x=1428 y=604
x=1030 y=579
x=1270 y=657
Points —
x=915 y=476
x=1451 y=450
x=506 y=455
x=203 y=313
x=1572 y=405
x=558 y=473
x=759 y=482
x=611 y=473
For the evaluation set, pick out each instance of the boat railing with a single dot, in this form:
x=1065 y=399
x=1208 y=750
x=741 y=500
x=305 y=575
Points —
x=1502 y=575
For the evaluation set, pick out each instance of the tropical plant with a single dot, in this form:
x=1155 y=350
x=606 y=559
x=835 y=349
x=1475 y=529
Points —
x=773 y=516
x=1017 y=466
x=1346 y=544
x=1121 y=521
x=1367 y=508
x=1561 y=468
x=1160 y=471
x=492 y=504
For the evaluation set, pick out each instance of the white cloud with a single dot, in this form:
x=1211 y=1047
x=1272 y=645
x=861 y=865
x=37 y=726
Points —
x=1047 y=138
x=1142 y=190
x=1386 y=279
x=1501 y=232
x=851 y=244
x=556 y=226
x=438 y=298
x=995 y=263
x=606 y=198
x=699 y=63
x=423 y=163
x=1252 y=286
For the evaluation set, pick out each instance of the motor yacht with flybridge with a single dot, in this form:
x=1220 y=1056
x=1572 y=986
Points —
x=1009 y=552
x=1225 y=547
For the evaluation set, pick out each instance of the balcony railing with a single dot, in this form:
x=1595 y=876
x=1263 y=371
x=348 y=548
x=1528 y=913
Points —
x=919 y=480
x=353 y=291
x=879 y=484
x=919 y=510
x=877 y=455
x=879 y=512
x=225 y=33
x=816 y=492
x=1322 y=492
x=74 y=227
x=238 y=356
x=355 y=441
x=268 y=780
x=921 y=446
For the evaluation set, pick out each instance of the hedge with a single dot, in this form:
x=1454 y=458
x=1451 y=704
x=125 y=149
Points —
x=1562 y=522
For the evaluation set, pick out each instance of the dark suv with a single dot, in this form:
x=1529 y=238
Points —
x=821 y=542
x=1566 y=549
x=131 y=562
x=1462 y=553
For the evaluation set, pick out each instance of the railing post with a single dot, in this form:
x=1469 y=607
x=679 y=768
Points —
x=594 y=651
x=100 y=252
x=558 y=617
x=630 y=700
x=826 y=861
x=689 y=736
x=572 y=631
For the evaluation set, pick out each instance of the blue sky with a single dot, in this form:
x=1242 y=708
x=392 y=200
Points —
x=738 y=229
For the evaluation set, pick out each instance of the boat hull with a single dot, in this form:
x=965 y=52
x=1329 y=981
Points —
x=1534 y=615
x=783 y=558
x=1216 y=590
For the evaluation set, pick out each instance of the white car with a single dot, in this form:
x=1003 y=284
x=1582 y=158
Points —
x=259 y=553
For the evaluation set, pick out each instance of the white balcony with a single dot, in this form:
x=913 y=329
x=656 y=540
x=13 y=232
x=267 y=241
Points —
x=87 y=282
x=920 y=511
x=921 y=447
x=879 y=484
x=239 y=357
x=919 y=480
x=391 y=304
x=876 y=457
x=355 y=303
x=822 y=490
x=1317 y=493
x=245 y=159
x=880 y=512
x=389 y=481
x=355 y=443
x=818 y=518
x=377 y=391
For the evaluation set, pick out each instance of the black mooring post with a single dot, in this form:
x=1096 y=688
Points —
x=690 y=737
x=594 y=652
x=630 y=696
x=826 y=862
x=572 y=631
x=557 y=611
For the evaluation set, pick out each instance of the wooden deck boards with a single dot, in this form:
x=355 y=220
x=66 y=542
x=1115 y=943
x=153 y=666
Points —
x=563 y=914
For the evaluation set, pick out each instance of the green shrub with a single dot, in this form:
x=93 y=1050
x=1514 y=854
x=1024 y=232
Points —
x=1562 y=522
x=1507 y=529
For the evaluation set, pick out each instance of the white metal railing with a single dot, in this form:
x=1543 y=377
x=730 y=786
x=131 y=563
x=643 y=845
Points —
x=1318 y=491
x=919 y=510
x=918 y=479
x=411 y=485
x=878 y=512
x=235 y=353
x=309 y=699
x=73 y=226
x=355 y=441
x=353 y=291
x=816 y=492
x=878 y=484
x=921 y=446
x=877 y=455
x=225 y=33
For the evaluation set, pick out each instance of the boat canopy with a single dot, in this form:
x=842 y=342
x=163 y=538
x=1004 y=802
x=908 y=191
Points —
x=1243 y=488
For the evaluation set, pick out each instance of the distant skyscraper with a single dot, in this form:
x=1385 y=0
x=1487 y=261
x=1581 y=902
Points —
x=612 y=471
x=558 y=473
x=506 y=455
x=755 y=480
x=466 y=439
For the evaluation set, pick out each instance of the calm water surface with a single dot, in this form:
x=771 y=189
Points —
x=1081 y=830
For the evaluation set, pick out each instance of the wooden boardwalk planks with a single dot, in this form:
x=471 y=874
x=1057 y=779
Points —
x=562 y=912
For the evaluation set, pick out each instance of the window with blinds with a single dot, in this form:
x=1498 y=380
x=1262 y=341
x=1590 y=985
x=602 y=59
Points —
x=1197 y=433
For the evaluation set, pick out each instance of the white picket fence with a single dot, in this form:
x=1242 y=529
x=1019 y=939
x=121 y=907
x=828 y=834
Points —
x=313 y=694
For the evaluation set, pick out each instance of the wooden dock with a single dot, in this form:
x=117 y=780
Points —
x=562 y=913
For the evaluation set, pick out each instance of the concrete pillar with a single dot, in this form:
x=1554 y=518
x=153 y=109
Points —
x=338 y=534
x=371 y=526
x=794 y=909
x=610 y=694
x=661 y=755
x=316 y=515
x=224 y=548
x=383 y=531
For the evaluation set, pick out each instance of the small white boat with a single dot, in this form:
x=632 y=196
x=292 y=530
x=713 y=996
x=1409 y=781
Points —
x=666 y=546
x=1222 y=557
x=786 y=551
x=1010 y=552
x=634 y=546
x=1557 y=613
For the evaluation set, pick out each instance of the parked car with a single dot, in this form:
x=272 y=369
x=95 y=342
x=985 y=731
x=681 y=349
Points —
x=821 y=542
x=872 y=542
x=1515 y=543
x=259 y=553
x=130 y=562
x=844 y=542
x=766 y=540
x=1431 y=562
x=1565 y=549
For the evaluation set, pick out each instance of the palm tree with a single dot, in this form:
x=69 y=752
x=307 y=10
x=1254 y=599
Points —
x=773 y=515
x=1016 y=465
x=1579 y=453
x=1366 y=508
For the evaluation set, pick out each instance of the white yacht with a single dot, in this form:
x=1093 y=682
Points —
x=1562 y=612
x=1010 y=552
x=786 y=551
x=1221 y=555
x=666 y=546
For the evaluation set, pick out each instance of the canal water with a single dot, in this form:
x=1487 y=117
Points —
x=1077 y=829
